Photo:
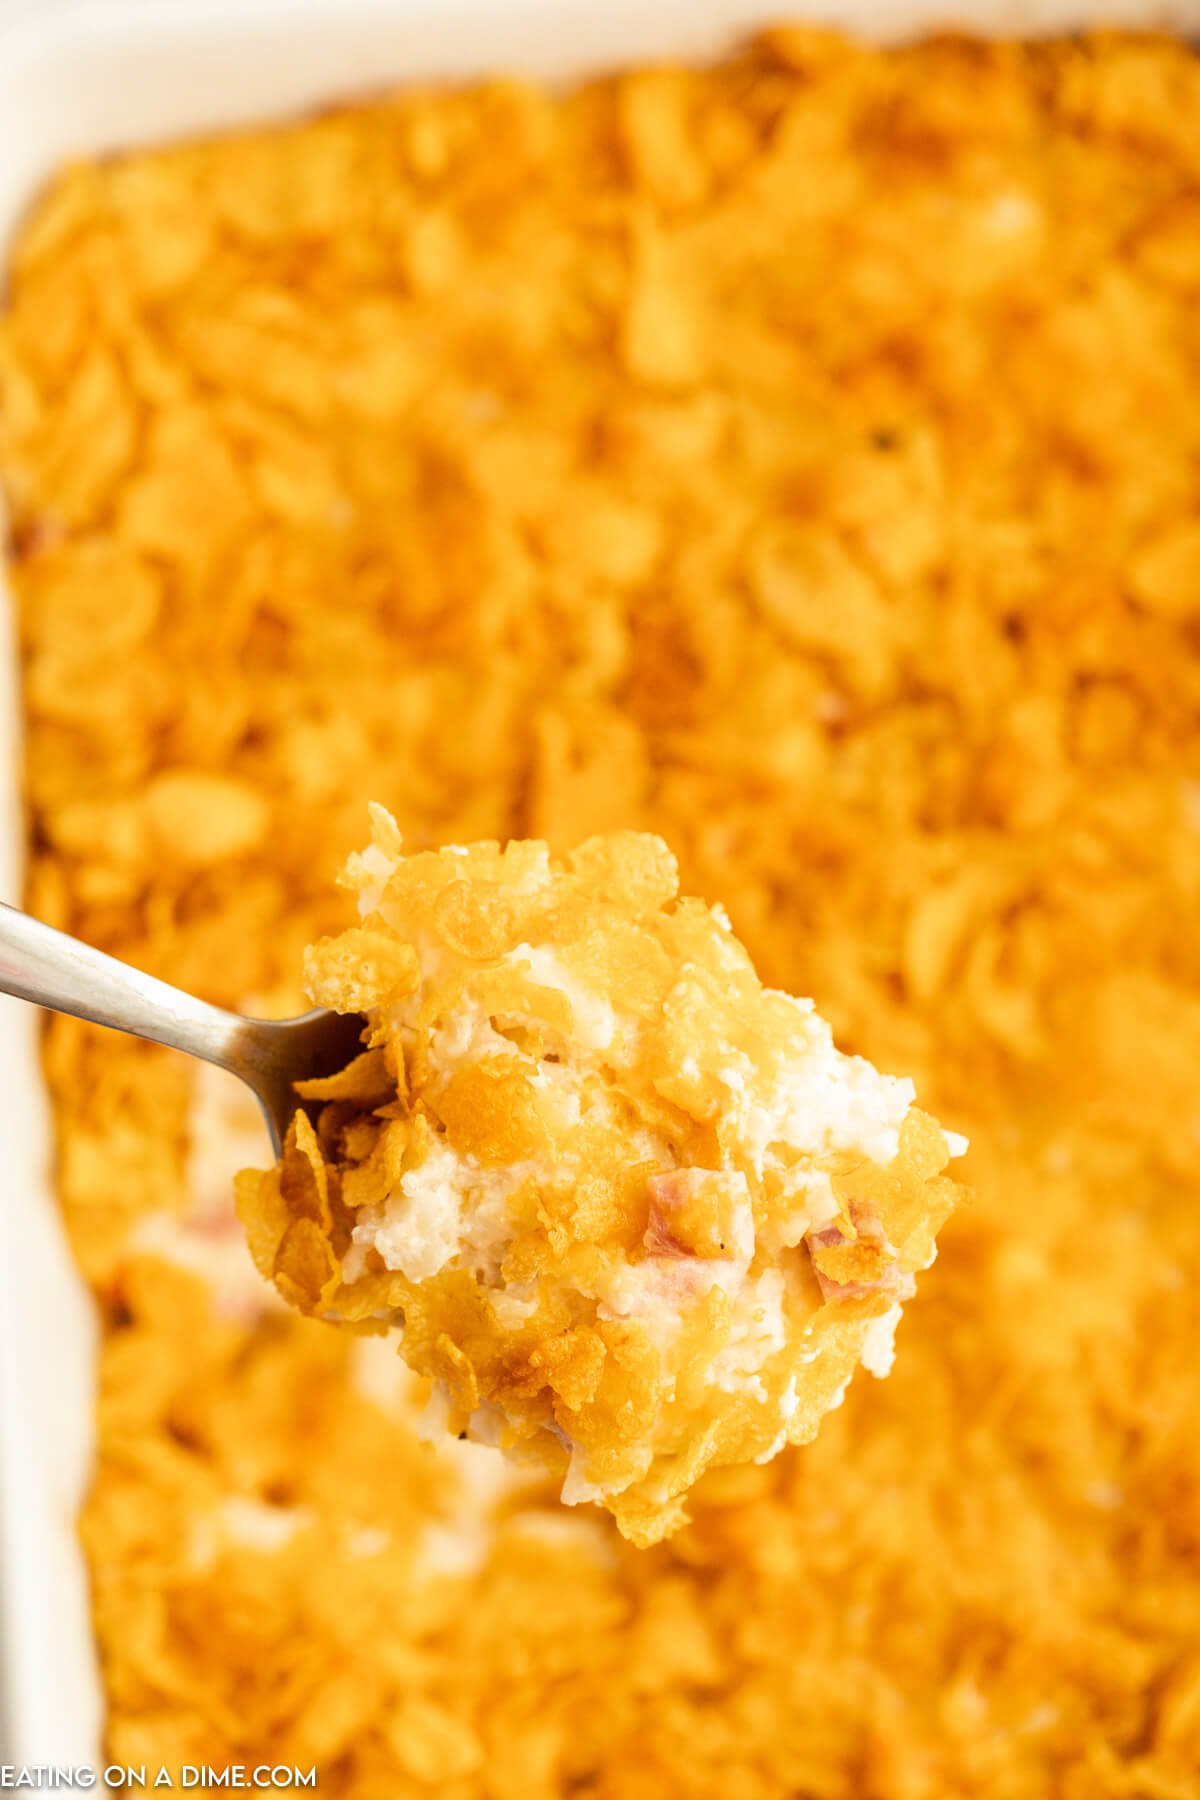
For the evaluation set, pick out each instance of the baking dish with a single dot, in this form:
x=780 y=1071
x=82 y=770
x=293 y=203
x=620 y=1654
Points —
x=87 y=78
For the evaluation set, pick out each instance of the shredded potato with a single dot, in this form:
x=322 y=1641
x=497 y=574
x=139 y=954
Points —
x=632 y=1214
x=797 y=458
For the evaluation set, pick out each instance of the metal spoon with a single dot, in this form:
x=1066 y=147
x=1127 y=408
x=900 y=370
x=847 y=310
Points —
x=51 y=969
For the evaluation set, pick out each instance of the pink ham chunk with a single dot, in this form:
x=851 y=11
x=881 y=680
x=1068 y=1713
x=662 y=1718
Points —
x=700 y=1212
x=893 y=1282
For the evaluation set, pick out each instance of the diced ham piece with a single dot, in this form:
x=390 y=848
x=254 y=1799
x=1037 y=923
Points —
x=893 y=1282
x=700 y=1212
x=658 y=1239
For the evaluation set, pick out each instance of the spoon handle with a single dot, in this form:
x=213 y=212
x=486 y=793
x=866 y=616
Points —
x=51 y=969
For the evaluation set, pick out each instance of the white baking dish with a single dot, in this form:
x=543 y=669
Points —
x=76 y=78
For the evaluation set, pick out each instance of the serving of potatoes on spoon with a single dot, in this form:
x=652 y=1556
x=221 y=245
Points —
x=633 y=1213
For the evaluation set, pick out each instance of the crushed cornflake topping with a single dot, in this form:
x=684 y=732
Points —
x=797 y=457
x=570 y=1169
